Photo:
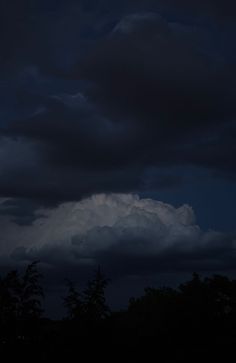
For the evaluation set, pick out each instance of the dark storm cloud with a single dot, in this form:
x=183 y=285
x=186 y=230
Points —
x=45 y=32
x=159 y=72
x=174 y=87
x=158 y=94
x=42 y=33
x=19 y=211
x=139 y=90
x=215 y=9
x=121 y=262
x=74 y=152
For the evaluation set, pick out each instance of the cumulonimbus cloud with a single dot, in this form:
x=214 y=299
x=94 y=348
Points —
x=118 y=230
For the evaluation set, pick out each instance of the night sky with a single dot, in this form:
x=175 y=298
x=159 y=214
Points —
x=117 y=139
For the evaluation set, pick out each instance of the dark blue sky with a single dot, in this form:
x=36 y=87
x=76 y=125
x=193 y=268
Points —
x=129 y=97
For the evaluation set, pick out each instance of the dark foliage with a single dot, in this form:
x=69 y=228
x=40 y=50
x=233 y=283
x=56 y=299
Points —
x=20 y=305
x=94 y=298
x=90 y=305
x=196 y=321
x=73 y=303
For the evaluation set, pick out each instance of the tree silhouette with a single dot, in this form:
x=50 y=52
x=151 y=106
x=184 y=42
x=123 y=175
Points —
x=20 y=297
x=73 y=302
x=154 y=312
x=196 y=318
x=95 y=306
x=214 y=297
x=20 y=303
x=9 y=297
x=30 y=293
x=90 y=305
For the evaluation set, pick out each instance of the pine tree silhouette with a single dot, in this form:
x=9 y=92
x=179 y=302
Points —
x=31 y=293
x=94 y=297
x=73 y=302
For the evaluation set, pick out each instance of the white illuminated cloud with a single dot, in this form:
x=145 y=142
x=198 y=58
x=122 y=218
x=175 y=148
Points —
x=107 y=223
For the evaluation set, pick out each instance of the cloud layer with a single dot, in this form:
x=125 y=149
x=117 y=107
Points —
x=103 y=101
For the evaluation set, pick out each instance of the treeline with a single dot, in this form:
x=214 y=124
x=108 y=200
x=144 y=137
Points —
x=195 y=321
